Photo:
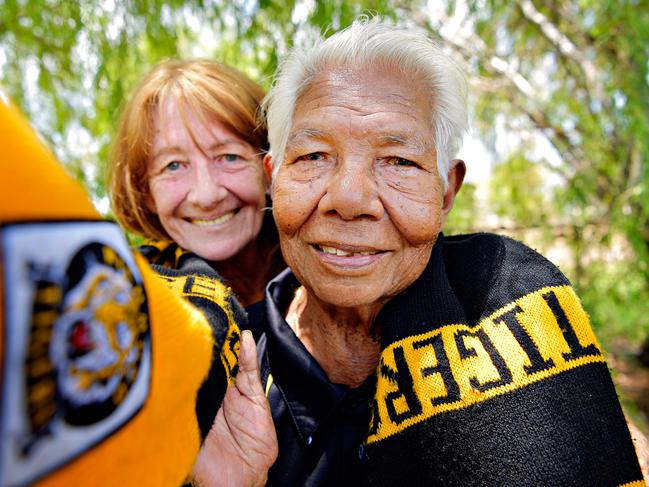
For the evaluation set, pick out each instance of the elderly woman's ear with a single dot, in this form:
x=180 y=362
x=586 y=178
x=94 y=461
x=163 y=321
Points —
x=268 y=168
x=455 y=179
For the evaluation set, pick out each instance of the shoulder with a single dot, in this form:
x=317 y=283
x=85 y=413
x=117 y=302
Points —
x=192 y=278
x=485 y=270
x=159 y=252
x=495 y=255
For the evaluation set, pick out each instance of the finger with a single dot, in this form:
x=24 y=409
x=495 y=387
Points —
x=248 y=381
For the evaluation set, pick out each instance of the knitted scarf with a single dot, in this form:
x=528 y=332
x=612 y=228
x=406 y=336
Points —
x=192 y=278
x=490 y=374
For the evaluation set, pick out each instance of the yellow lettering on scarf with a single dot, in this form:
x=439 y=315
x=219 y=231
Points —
x=537 y=336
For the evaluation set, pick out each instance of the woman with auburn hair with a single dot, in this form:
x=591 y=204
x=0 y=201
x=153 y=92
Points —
x=186 y=173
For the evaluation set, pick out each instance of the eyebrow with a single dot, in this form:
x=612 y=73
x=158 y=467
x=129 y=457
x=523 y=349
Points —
x=401 y=139
x=222 y=143
x=306 y=133
x=175 y=149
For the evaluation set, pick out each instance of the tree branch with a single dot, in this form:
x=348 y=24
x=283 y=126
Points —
x=564 y=45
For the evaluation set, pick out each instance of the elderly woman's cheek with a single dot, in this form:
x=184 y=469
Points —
x=424 y=233
x=292 y=205
x=419 y=222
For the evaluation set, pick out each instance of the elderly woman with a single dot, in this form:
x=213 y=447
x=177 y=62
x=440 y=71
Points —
x=186 y=173
x=487 y=370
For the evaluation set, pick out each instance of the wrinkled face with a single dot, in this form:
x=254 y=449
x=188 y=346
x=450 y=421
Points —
x=208 y=195
x=358 y=201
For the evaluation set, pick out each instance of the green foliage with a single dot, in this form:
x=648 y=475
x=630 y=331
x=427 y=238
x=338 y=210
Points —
x=464 y=214
x=572 y=73
x=517 y=192
x=625 y=296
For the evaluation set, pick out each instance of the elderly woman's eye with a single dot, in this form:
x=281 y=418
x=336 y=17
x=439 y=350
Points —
x=400 y=161
x=312 y=156
x=231 y=157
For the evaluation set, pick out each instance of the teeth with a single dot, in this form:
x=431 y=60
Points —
x=344 y=253
x=216 y=221
x=333 y=251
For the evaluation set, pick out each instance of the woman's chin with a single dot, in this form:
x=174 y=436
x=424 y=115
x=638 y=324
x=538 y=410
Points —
x=215 y=254
x=350 y=297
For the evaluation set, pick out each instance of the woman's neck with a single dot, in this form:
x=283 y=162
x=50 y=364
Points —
x=248 y=272
x=342 y=340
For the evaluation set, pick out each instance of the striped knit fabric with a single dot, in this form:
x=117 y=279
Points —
x=193 y=279
x=490 y=374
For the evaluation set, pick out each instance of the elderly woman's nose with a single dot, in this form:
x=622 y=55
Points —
x=206 y=189
x=352 y=193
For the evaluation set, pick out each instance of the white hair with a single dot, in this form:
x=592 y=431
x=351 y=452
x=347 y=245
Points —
x=370 y=42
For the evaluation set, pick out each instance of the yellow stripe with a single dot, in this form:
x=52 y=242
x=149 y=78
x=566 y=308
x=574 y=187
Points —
x=539 y=335
x=269 y=382
x=200 y=286
x=217 y=292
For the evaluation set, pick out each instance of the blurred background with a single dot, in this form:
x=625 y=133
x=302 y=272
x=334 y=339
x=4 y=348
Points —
x=558 y=155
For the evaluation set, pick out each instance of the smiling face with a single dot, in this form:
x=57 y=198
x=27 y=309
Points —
x=358 y=200
x=207 y=190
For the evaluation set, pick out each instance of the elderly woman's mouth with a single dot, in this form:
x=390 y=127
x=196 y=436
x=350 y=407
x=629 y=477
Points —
x=345 y=252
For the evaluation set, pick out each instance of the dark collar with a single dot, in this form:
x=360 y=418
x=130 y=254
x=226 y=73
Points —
x=304 y=385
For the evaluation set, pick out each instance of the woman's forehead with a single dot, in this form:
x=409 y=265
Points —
x=177 y=126
x=382 y=105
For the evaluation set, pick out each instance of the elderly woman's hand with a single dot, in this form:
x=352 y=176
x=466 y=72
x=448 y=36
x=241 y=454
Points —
x=242 y=444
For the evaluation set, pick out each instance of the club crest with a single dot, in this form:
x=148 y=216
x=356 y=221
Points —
x=76 y=323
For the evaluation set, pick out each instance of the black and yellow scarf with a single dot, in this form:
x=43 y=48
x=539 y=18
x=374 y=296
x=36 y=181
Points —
x=490 y=374
x=191 y=277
